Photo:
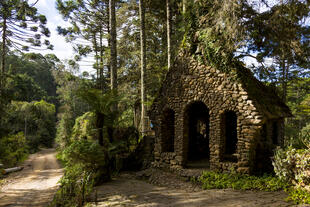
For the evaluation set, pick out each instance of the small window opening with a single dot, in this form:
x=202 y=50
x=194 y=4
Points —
x=167 y=131
x=229 y=131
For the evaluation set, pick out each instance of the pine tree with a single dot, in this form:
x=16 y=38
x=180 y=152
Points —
x=89 y=28
x=113 y=51
x=168 y=32
x=143 y=66
x=21 y=28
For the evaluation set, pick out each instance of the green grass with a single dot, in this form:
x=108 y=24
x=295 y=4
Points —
x=216 y=180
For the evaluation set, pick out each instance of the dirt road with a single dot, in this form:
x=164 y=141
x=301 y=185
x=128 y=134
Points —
x=35 y=185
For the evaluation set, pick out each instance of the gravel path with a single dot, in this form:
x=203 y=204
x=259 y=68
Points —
x=166 y=190
x=35 y=185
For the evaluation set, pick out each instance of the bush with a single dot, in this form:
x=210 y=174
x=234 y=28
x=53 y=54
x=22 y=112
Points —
x=299 y=195
x=13 y=149
x=84 y=127
x=216 y=180
x=293 y=165
x=305 y=136
x=86 y=164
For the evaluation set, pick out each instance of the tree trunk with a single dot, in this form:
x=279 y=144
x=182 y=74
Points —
x=99 y=126
x=113 y=57
x=3 y=55
x=284 y=80
x=109 y=44
x=10 y=170
x=101 y=60
x=143 y=65
x=97 y=60
x=184 y=6
x=168 y=33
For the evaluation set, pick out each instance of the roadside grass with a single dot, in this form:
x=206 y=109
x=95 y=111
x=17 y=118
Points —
x=269 y=183
x=217 y=180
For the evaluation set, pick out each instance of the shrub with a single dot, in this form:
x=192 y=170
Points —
x=293 y=165
x=216 y=180
x=299 y=195
x=305 y=136
x=13 y=149
x=84 y=127
x=86 y=164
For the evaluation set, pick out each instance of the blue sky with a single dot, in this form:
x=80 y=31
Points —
x=62 y=49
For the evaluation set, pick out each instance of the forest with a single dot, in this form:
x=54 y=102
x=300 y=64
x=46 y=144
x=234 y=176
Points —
x=98 y=118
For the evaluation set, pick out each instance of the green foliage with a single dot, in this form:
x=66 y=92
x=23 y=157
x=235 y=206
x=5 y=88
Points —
x=292 y=165
x=305 y=136
x=296 y=127
x=35 y=119
x=88 y=154
x=29 y=77
x=23 y=88
x=75 y=187
x=84 y=127
x=214 y=32
x=211 y=180
x=86 y=164
x=299 y=195
x=72 y=106
x=13 y=149
x=22 y=23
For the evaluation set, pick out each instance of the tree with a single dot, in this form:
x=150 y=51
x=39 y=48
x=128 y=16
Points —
x=89 y=28
x=21 y=28
x=113 y=51
x=143 y=65
x=168 y=33
x=281 y=33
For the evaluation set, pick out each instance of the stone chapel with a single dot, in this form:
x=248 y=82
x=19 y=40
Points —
x=206 y=118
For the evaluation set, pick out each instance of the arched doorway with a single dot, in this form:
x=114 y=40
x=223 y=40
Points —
x=196 y=135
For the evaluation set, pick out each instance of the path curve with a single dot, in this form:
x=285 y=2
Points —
x=34 y=186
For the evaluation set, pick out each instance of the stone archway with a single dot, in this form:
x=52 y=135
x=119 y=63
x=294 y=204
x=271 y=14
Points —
x=196 y=134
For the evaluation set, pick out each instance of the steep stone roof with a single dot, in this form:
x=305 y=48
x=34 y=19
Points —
x=264 y=97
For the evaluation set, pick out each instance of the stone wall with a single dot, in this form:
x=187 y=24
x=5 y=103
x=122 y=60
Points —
x=191 y=82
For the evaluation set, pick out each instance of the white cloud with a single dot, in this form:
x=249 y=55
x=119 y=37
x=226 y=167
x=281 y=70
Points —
x=62 y=49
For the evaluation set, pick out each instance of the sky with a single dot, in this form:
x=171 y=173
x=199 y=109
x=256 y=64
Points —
x=62 y=49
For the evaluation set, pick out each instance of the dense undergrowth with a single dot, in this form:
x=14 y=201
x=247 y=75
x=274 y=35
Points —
x=90 y=148
x=28 y=126
x=292 y=174
x=216 y=180
x=85 y=165
x=13 y=149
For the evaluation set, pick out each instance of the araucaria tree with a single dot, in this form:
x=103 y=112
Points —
x=88 y=32
x=143 y=64
x=21 y=28
x=113 y=54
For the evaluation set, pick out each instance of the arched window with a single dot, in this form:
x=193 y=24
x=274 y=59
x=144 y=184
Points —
x=229 y=134
x=167 y=131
